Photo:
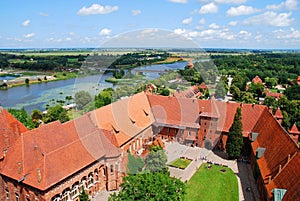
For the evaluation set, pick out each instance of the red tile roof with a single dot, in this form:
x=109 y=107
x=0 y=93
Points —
x=10 y=130
x=257 y=80
x=125 y=118
x=202 y=86
x=288 y=179
x=174 y=111
x=186 y=112
x=278 y=114
x=294 y=130
x=279 y=147
x=52 y=152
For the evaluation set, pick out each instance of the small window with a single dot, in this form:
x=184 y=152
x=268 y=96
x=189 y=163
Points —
x=168 y=130
x=7 y=194
x=189 y=133
x=17 y=197
x=204 y=130
x=111 y=169
x=181 y=131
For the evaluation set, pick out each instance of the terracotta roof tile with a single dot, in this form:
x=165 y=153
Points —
x=54 y=151
x=288 y=179
x=125 y=118
x=278 y=114
x=257 y=80
x=294 y=130
x=279 y=146
x=10 y=129
x=174 y=111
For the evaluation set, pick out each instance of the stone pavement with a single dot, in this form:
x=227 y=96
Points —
x=243 y=171
x=175 y=150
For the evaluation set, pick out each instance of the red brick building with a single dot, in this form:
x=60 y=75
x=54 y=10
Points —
x=54 y=161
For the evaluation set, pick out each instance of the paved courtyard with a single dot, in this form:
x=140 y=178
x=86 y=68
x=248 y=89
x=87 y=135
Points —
x=198 y=155
x=243 y=171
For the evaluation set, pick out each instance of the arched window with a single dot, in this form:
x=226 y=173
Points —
x=56 y=198
x=97 y=178
x=74 y=191
x=90 y=180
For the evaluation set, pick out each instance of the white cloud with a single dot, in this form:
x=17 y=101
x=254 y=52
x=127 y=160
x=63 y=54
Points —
x=96 y=9
x=208 y=8
x=104 y=32
x=244 y=34
x=68 y=39
x=230 y=1
x=288 y=4
x=214 y=26
x=287 y=34
x=26 y=23
x=271 y=18
x=30 y=35
x=178 y=1
x=187 y=21
x=241 y=10
x=208 y=34
x=232 y=23
x=71 y=33
x=202 y=21
x=136 y=12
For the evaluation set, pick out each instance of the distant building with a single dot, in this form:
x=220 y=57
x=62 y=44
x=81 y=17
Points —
x=257 y=80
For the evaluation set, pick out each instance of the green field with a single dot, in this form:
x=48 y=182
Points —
x=212 y=184
x=181 y=163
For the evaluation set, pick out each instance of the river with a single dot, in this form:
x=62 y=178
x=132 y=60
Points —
x=37 y=96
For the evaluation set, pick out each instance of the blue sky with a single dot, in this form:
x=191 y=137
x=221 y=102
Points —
x=208 y=23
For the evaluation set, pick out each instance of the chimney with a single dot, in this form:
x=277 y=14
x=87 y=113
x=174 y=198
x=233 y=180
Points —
x=269 y=180
x=289 y=158
x=271 y=109
x=39 y=175
x=280 y=167
x=19 y=167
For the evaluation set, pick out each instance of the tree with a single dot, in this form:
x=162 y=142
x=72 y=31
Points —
x=271 y=82
x=240 y=82
x=154 y=186
x=83 y=196
x=104 y=97
x=164 y=92
x=56 y=113
x=234 y=142
x=220 y=90
x=236 y=92
x=82 y=98
x=257 y=89
x=293 y=92
x=247 y=97
x=156 y=161
x=27 y=81
x=135 y=165
x=270 y=101
x=22 y=116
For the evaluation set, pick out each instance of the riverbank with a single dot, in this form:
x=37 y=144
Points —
x=36 y=79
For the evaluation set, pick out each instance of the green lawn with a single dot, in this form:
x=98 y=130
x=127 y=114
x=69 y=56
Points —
x=212 y=184
x=180 y=163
